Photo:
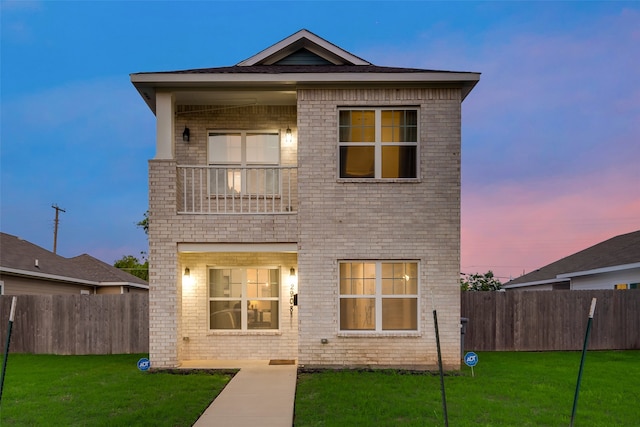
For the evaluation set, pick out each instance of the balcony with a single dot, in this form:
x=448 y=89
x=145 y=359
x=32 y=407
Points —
x=237 y=190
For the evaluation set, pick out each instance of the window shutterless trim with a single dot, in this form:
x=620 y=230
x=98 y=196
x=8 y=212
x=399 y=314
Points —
x=378 y=144
x=244 y=329
x=378 y=296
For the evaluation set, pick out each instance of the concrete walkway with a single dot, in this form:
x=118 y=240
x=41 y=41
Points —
x=259 y=395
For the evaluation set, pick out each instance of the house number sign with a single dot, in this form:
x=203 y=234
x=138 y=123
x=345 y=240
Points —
x=291 y=301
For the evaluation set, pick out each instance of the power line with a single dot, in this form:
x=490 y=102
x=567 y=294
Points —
x=55 y=227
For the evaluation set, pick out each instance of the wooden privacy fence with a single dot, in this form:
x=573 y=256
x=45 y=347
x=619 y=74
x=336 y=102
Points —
x=77 y=324
x=550 y=320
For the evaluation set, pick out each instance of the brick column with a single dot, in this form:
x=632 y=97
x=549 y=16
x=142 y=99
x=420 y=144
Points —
x=165 y=301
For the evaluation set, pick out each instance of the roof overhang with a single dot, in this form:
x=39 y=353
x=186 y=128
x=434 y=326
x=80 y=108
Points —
x=602 y=270
x=537 y=283
x=566 y=277
x=281 y=88
x=66 y=279
x=45 y=276
x=128 y=284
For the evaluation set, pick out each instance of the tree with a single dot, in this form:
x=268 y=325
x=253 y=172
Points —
x=480 y=282
x=134 y=266
x=144 y=224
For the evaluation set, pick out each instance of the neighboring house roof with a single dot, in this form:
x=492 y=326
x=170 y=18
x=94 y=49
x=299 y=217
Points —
x=619 y=252
x=22 y=258
x=302 y=59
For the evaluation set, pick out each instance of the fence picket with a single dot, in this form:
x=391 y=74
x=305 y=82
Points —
x=550 y=320
x=78 y=324
x=498 y=321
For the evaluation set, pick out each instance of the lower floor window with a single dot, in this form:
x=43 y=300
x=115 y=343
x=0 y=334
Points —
x=626 y=286
x=244 y=298
x=378 y=296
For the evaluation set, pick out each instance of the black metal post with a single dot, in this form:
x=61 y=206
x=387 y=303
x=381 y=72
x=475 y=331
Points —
x=584 y=353
x=444 y=397
x=6 y=348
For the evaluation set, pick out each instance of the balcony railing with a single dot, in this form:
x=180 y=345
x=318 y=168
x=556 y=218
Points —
x=236 y=190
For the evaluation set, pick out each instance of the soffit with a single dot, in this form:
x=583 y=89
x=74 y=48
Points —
x=280 y=88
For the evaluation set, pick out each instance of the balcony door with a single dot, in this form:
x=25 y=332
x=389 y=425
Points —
x=244 y=163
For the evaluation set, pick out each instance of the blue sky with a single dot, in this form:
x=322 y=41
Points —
x=551 y=134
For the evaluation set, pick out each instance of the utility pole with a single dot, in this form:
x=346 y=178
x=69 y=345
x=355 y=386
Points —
x=55 y=228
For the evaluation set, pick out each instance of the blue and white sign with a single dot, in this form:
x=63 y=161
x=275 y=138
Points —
x=471 y=359
x=144 y=364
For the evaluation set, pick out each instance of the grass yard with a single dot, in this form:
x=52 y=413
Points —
x=509 y=389
x=46 y=390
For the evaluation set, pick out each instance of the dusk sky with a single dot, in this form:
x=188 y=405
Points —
x=550 y=135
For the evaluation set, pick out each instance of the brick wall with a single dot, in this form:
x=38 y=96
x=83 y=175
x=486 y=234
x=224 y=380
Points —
x=379 y=220
x=199 y=343
x=336 y=220
x=173 y=312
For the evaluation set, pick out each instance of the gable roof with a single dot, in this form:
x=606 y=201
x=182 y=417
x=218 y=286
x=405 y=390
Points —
x=303 y=40
x=618 y=252
x=302 y=59
x=22 y=258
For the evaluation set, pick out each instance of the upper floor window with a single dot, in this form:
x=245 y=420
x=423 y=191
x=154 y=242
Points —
x=378 y=296
x=378 y=143
x=246 y=162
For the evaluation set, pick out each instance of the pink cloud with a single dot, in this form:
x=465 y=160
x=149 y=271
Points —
x=515 y=228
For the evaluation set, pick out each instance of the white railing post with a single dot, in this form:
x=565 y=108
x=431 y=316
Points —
x=184 y=189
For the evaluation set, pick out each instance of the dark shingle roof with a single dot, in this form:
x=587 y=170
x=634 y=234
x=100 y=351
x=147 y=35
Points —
x=295 y=69
x=103 y=272
x=619 y=250
x=18 y=254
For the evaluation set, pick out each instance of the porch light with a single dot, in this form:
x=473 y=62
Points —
x=187 y=280
x=287 y=136
x=292 y=272
x=186 y=134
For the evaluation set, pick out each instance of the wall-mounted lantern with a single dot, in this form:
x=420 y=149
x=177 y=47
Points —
x=288 y=137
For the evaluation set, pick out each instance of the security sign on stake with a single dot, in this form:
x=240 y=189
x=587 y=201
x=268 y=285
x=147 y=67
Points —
x=144 y=364
x=471 y=359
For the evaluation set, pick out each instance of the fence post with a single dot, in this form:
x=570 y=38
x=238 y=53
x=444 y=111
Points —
x=6 y=348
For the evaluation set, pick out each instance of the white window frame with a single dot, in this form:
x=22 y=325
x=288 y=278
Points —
x=378 y=143
x=244 y=299
x=244 y=164
x=378 y=297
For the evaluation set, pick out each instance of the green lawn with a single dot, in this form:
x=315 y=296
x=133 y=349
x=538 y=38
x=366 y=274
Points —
x=45 y=390
x=509 y=389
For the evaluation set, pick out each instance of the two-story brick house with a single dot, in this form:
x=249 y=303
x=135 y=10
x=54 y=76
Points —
x=304 y=204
